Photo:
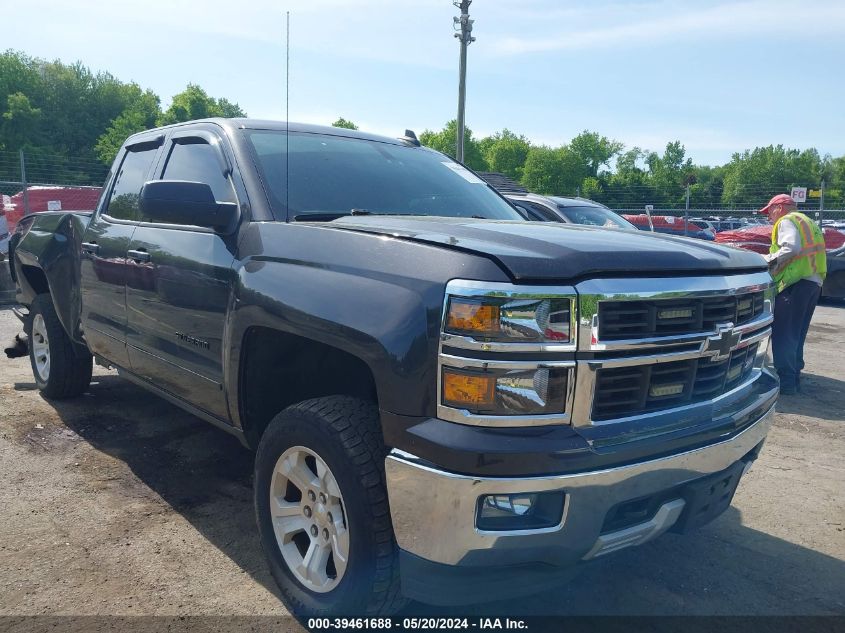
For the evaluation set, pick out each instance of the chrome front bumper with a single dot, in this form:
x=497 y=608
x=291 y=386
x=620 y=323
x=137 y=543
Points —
x=433 y=511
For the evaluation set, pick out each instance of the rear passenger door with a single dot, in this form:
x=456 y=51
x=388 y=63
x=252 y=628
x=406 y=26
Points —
x=104 y=245
x=177 y=310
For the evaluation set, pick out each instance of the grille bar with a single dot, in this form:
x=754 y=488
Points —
x=627 y=391
x=620 y=320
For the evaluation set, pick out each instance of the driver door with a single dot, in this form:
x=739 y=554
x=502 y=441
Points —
x=180 y=284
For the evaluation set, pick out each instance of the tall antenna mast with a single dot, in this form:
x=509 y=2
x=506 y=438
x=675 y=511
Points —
x=465 y=36
x=287 y=117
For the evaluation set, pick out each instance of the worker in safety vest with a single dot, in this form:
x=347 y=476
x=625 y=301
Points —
x=798 y=263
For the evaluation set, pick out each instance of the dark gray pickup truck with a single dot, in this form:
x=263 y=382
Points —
x=447 y=404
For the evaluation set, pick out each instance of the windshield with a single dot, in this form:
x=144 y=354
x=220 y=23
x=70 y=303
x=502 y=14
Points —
x=595 y=216
x=331 y=176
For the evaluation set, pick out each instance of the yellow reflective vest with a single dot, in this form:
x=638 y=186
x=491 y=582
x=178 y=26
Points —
x=810 y=259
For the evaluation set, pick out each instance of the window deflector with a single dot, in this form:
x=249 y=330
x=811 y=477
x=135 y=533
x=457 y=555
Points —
x=189 y=137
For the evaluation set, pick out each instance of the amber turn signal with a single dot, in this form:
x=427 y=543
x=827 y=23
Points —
x=467 y=390
x=466 y=316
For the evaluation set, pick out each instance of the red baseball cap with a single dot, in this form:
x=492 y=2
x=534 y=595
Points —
x=781 y=198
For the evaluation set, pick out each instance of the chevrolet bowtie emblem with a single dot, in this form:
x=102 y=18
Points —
x=723 y=343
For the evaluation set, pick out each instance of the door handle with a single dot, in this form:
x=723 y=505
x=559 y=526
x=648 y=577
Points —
x=139 y=255
x=91 y=248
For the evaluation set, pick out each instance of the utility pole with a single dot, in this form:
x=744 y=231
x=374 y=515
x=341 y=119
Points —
x=23 y=182
x=689 y=180
x=821 y=205
x=465 y=36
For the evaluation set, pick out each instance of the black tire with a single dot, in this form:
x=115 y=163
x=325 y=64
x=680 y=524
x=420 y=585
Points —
x=345 y=433
x=70 y=367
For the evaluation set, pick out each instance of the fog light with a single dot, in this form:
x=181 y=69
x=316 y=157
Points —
x=520 y=511
x=468 y=390
x=503 y=392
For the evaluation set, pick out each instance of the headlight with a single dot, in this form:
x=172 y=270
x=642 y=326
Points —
x=494 y=367
x=541 y=320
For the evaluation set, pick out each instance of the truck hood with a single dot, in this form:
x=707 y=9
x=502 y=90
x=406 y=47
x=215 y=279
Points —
x=550 y=251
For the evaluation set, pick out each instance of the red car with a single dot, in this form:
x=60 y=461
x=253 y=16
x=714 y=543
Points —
x=43 y=198
x=669 y=225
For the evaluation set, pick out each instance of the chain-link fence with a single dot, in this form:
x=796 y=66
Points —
x=820 y=202
x=33 y=182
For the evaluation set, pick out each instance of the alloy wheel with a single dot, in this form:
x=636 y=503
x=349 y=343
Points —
x=309 y=519
x=41 y=348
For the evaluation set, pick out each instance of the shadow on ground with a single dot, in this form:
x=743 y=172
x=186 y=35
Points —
x=831 y=302
x=205 y=475
x=820 y=397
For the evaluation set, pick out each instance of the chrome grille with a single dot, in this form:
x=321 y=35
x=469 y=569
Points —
x=626 y=391
x=629 y=319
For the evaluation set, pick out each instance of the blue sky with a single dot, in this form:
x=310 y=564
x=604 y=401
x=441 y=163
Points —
x=721 y=76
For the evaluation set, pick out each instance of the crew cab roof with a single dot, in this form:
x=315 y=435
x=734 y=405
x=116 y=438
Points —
x=230 y=125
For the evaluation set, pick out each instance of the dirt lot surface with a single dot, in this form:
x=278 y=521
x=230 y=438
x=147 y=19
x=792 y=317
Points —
x=120 y=503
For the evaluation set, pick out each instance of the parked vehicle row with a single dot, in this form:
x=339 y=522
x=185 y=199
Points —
x=670 y=225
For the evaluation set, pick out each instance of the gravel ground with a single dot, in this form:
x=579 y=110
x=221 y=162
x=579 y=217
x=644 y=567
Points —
x=118 y=503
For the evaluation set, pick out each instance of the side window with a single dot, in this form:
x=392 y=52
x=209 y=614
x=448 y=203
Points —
x=199 y=162
x=123 y=201
x=542 y=212
x=527 y=212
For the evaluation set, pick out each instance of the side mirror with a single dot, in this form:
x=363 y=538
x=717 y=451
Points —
x=183 y=202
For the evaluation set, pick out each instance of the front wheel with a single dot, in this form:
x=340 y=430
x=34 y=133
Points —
x=60 y=369
x=322 y=512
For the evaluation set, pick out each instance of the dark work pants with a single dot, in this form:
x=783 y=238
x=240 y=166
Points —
x=794 y=309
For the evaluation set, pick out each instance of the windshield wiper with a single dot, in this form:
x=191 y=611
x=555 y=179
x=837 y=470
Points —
x=328 y=217
x=368 y=212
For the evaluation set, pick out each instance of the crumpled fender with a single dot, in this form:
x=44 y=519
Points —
x=53 y=244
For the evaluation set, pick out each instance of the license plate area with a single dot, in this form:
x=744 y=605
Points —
x=708 y=497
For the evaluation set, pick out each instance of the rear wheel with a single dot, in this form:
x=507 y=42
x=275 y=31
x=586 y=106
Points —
x=60 y=368
x=322 y=512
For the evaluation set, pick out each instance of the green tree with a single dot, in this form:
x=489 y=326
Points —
x=668 y=174
x=554 y=171
x=138 y=116
x=629 y=186
x=229 y=110
x=594 y=150
x=195 y=103
x=446 y=141
x=505 y=152
x=592 y=188
x=754 y=176
x=19 y=122
x=70 y=120
x=344 y=123
x=708 y=187
x=835 y=183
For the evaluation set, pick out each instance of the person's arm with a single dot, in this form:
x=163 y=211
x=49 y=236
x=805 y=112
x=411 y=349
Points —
x=789 y=242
